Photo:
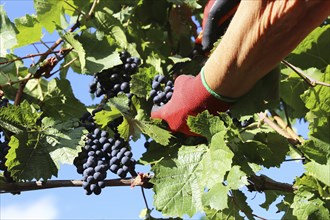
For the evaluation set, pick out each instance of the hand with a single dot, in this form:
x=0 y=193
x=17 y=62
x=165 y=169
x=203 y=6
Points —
x=216 y=18
x=190 y=97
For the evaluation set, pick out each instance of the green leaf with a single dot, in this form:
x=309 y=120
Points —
x=236 y=178
x=271 y=196
x=158 y=134
x=141 y=82
x=179 y=59
x=119 y=35
x=313 y=50
x=205 y=124
x=21 y=117
x=319 y=171
x=28 y=25
x=214 y=167
x=60 y=102
x=291 y=88
x=176 y=182
x=27 y=159
x=95 y=54
x=49 y=13
x=316 y=150
x=78 y=48
x=37 y=88
x=104 y=117
x=284 y=206
x=216 y=197
x=232 y=213
x=120 y=102
x=36 y=152
x=304 y=206
x=8 y=33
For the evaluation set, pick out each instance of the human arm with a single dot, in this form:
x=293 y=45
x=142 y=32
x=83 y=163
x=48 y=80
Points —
x=261 y=33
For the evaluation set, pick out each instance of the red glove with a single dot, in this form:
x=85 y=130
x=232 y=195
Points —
x=190 y=97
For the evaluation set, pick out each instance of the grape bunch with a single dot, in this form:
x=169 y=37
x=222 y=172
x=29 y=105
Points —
x=87 y=120
x=115 y=80
x=162 y=90
x=3 y=102
x=102 y=153
x=4 y=148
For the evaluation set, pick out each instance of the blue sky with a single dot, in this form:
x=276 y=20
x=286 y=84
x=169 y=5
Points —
x=114 y=202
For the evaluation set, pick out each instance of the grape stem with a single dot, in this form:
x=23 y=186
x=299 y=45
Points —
x=309 y=80
x=284 y=126
x=263 y=118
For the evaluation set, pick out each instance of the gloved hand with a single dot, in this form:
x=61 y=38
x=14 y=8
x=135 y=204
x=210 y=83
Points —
x=191 y=96
x=216 y=18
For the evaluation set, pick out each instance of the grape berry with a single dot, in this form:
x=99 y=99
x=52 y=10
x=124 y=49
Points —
x=116 y=80
x=162 y=90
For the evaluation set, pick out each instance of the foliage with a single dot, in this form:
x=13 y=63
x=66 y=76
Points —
x=190 y=174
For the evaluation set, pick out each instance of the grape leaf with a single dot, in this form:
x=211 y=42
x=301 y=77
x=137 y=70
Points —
x=176 y=182
x=240 y=200
x=104 y=117
x=28 y=159
x=158 y=134
x=236 y=178
x=304 y=206
x=36 y=89
x=205 y=124
x=28 y=25
x=182 y=180
x=120 y=103
x=216 y=197
x=319 y=171
x=270 y=197
x=232 y=213
x=66 y=137
x=316 y=150
x=284 y=206
x=49 y=13
x=278 y=146
x=157 y=152
x=78 y=47
x=179 y=59
x=8 y=33
x=59 y=101
x=317 y=99
x=141 y=82
x=313 y=50
x=214 y=167
x=291 y=88
x=36 y=152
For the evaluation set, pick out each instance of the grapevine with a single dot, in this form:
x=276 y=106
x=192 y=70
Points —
x=132 y=52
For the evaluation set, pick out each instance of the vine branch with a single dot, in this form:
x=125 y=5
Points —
x=258 y=183
x=262 y=183
x=309 y=80
x=33 y=55
x=49 y=184
x=263 y=118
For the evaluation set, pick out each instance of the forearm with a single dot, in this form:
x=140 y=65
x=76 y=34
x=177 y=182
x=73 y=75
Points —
x=261 y=34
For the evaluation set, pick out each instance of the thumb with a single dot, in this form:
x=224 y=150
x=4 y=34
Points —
x=156 y=111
